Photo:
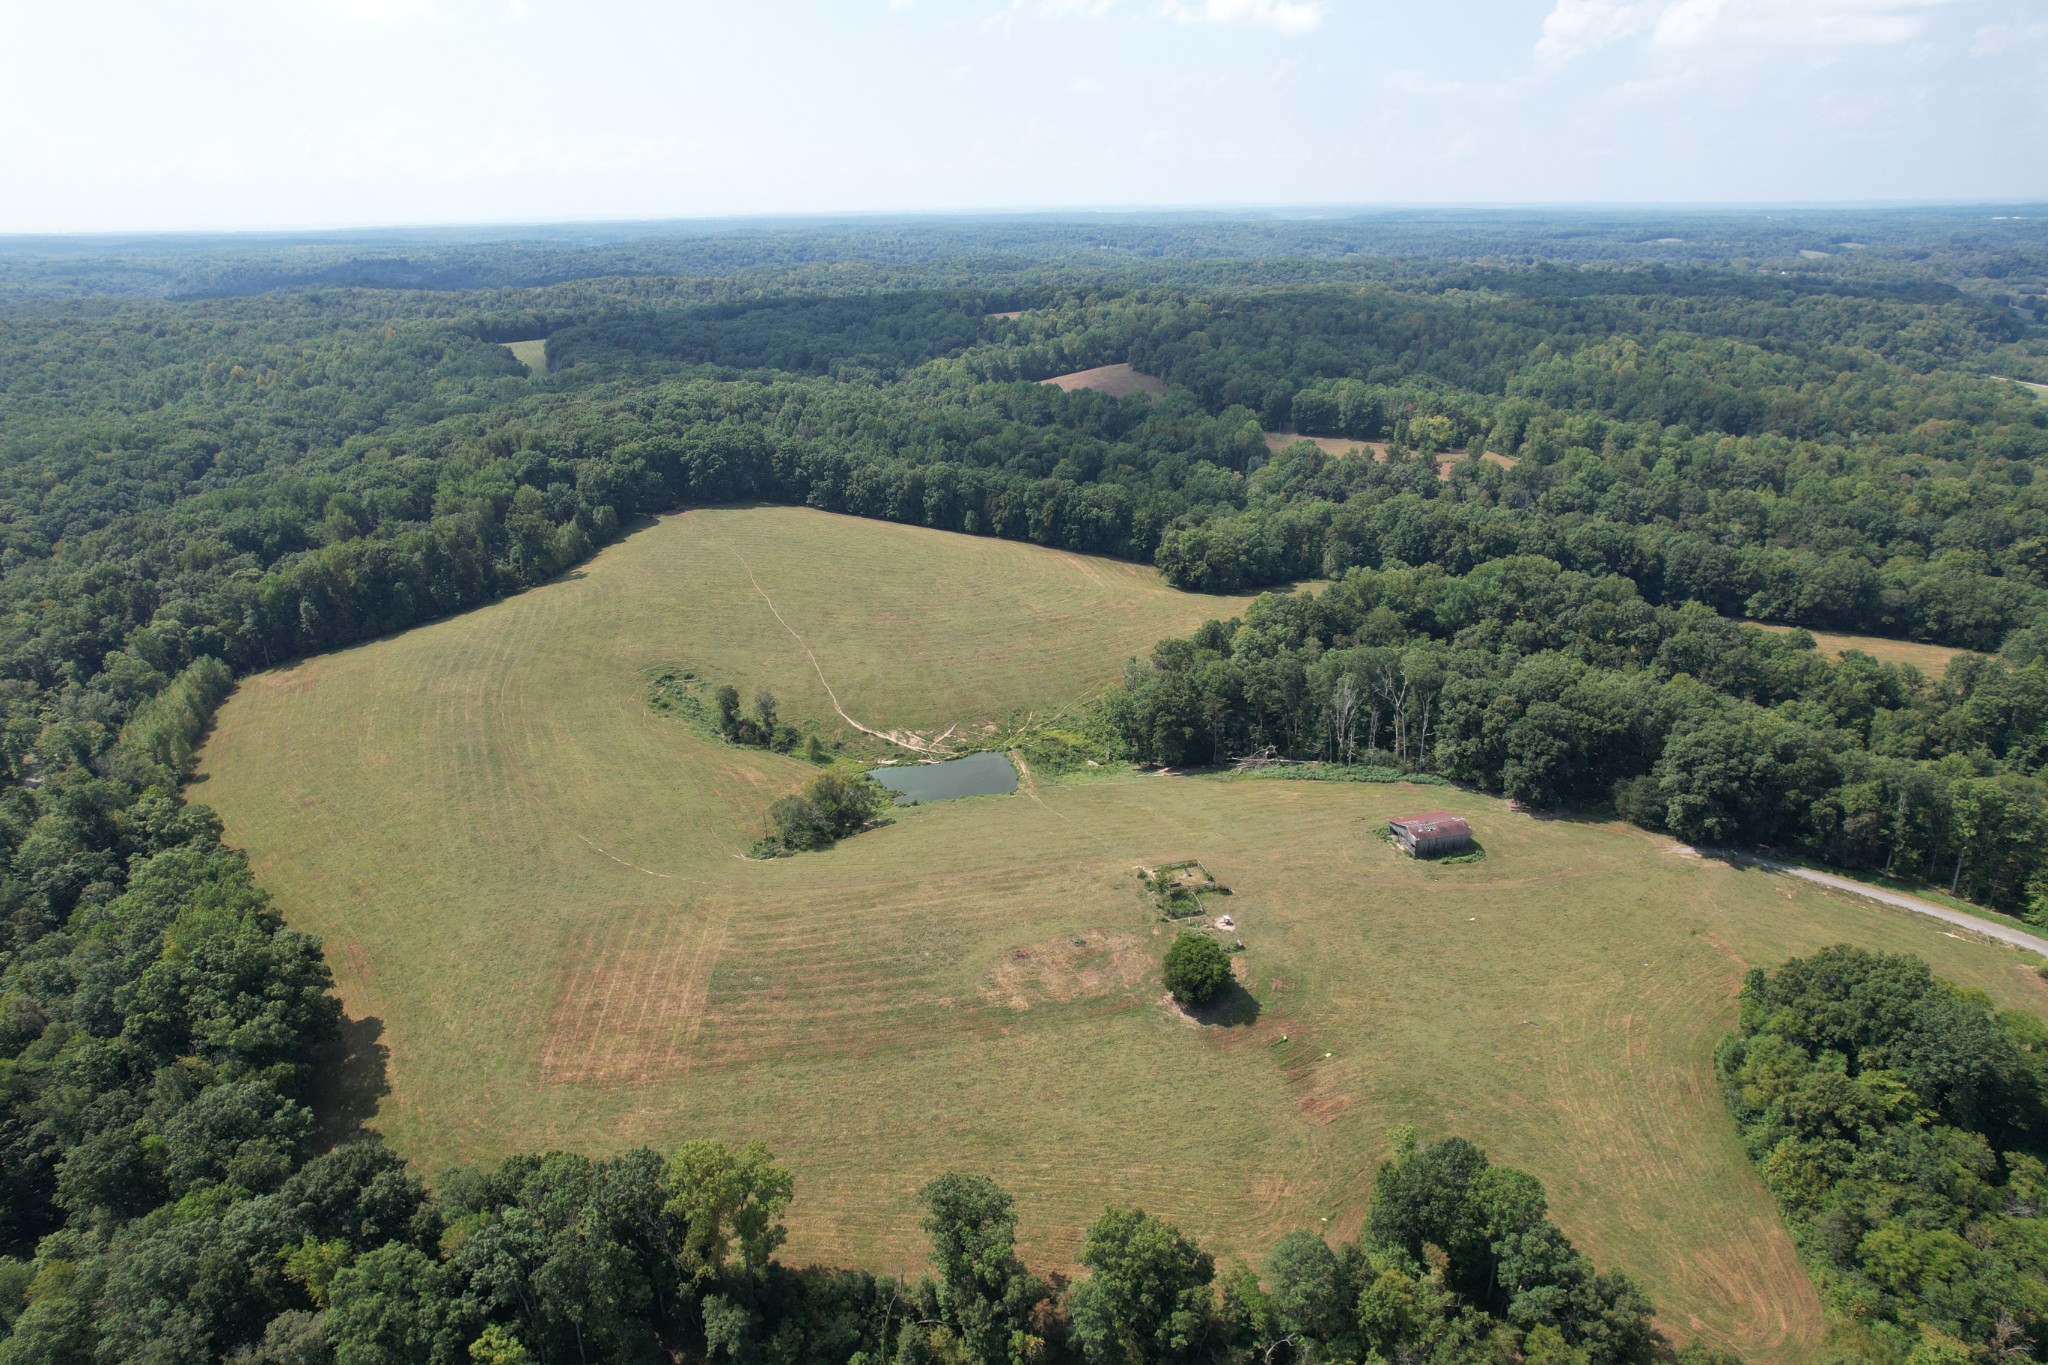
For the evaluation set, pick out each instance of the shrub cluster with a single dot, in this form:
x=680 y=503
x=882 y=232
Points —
x=833 y=806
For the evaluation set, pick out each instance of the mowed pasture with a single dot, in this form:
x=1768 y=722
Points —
x=1931 y=660
x=1277 y=441
x=534 y=884
x=1118 y=381
x=532 y=354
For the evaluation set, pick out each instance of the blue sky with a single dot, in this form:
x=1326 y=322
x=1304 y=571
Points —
x=310 y=113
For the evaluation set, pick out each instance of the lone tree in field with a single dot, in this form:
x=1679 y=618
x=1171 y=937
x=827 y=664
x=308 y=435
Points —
x=1197 y=967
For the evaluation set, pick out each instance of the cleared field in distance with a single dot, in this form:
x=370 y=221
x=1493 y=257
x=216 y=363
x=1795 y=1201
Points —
x=533 y=882
x=1932 y=660
x=1277 y=441
x=1118 y=381
x=532 y=354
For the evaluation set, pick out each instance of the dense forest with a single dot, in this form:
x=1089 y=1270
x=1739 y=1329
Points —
x=1899 y=1122
x=1600 y=447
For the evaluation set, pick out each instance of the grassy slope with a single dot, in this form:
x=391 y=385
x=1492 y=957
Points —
x=532 y=882
x=532 y=354
x=1118 y=381
x=1932 y=660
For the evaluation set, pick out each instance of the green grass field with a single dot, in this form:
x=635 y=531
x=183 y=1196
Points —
x=532 y=354
x=535 y=884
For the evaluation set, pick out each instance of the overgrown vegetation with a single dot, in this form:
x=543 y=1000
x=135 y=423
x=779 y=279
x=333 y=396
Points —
x=1177 y=888
x=679 y=692
x=1899 y=1122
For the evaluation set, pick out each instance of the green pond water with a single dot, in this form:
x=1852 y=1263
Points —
x=975 y=775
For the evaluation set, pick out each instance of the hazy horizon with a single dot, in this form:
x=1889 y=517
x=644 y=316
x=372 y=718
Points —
x=1057 y=212
x=336 y=115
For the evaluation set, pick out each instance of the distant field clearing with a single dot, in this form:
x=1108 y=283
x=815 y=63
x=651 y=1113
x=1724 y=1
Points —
x=1118 y=381
x=1932 y=660
x=532 y=354
x=1277 y=441
x=534 y=883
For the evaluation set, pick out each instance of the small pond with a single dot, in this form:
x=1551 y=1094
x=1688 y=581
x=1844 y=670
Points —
x=988 y=774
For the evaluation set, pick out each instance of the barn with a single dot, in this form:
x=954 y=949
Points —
x=1432 y=833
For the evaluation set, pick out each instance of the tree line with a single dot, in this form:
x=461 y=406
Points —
x=556 y=1257
x=1558 y=688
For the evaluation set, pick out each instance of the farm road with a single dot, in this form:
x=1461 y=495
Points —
x=1989 y=928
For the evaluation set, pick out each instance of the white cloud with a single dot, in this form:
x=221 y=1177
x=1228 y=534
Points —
x=1791 y=23
x=1290 y=17
x=1576 y=27
x=1063 y=9
x=2001 y=40
x=382 y=11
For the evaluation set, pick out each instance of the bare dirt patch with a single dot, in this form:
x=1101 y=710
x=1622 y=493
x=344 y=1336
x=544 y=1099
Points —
x=1323 y=1109
x=1081 y=966
x=1118 y=381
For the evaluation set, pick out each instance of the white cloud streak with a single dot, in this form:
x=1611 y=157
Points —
x=1292 y=18
x=1289 y=18
x=1574 y=28
x=382 y=12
